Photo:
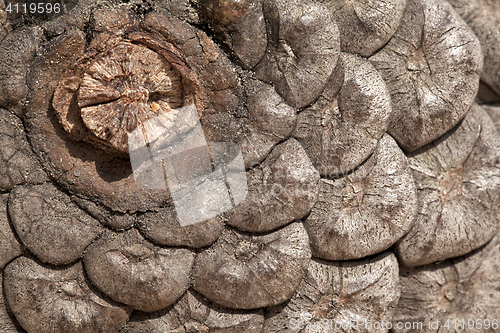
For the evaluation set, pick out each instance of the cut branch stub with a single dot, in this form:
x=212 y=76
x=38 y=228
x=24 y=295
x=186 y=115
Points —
x=133 y=271
x=46 y=300
x=163 y=228
x=248 y=272
x=18 y=164
x=194 y=313
x=282 y=189
x=272 y=121
x=352 y=294
x=484 y=18
x=241 y=25
x=9 y=246
x=50 y=225
x=432 y=67
x=366 y=211
x=303 y=49
x=342 y=130
x=458 y=190
x=120 y=90
x=453 y=291
x=83 y=168
x=366 y=26
x=123 y=88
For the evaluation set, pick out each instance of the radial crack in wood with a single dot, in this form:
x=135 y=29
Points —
x=367 y=211
x=52 y=227
x=432 y=67
x=133 y=271
x=302 y=51
x=194 y=313
x=366 y=25
x=340 y=296
x=342 y=129
x=48 y=300
x=281 y=189
x=452 y=292
x=458 y=182
x=248 y=272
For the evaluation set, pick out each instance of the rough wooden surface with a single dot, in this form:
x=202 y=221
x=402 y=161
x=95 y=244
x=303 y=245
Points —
x=367 y=211
x=483 y=17
x=366 y=26
x=458 y=181
x=80 y=80
x=451 y=291
x=10 y=247
x=432 y=68
x=124 y=88
x=133 y=271
x=340 y=293
x=494 y=112
x=242 y=27
x=18 y=164
x=248 y=272
x=5 y=26
x=163 y=228
x=299 y=62
x=78 y=167
x=272 y=121
x=8 y=323
x=194 y=313
x=342 y=129
x=108 y=218
x=47 y=300
x=17 y=51
x=282 y=189
x=50 y=225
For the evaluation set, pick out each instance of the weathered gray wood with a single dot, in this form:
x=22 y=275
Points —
x=432 y=67
x=52 y=227
x=241 y=25
x=453 y=292
x=17 y=52
x=458 y=183
x=302 y=51
x=282 y=189
x=194 y=313
x=336 y=293
x=494 y=112
x=484 y=17
x=163 y=228
x=367 y=211
x=5 y=26
x=9 y=245
x=366 y=25
x=18 y=164
x=47 y=300
x=342 y=129
x=8 y=323
x=110 y=219
x=248 y=272
x=272 y=121
x=132 y=271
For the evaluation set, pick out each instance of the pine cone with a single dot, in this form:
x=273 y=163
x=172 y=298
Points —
x=249 y=166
